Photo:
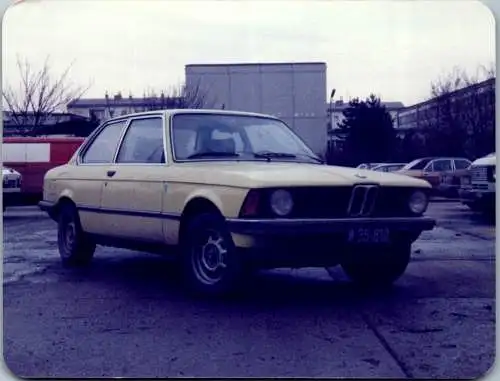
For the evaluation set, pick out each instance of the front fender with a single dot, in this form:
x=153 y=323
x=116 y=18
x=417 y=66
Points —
x=207 y=194
x=227 y=199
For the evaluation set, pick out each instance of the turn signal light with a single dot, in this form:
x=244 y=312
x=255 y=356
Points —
x=251 y=205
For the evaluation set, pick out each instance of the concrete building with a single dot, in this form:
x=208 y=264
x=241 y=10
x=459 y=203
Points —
x=429 y=113
x=294 y=92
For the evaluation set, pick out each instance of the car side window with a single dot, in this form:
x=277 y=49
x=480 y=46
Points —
x=442 y=165
x=143 y=142
x=429 y=167
x=102 y=149
x=462 y=164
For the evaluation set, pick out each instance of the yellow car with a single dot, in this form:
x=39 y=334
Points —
x=227 y=193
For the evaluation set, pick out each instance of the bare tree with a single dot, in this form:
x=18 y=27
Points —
x=459 y=119
x=181 y=96
x=39 y=96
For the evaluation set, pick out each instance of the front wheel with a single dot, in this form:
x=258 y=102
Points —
x=377 y=267
x=75 y=247
x=212 y=265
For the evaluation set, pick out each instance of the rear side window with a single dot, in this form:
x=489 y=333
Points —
x=143 y=142
x=417 y=164
x=442 y=165
x=462 y=164
x=103 y=147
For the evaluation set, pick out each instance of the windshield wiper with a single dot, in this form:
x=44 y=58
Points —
x=213 y=153
x=268 y=155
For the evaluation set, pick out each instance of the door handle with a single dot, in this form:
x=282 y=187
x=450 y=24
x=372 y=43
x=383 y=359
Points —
x=110 y=173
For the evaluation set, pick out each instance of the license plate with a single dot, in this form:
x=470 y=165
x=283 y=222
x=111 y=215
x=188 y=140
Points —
x=369 y=235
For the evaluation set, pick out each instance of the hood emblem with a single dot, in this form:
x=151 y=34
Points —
x=359 y=176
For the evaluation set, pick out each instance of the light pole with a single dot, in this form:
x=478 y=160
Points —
x=331 y=118
x=330 y=109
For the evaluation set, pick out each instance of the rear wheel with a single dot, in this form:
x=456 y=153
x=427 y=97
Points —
x=75 y=247
x=377 y=267
x=212 y=265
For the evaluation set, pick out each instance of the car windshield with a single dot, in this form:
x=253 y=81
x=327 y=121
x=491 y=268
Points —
x=416 y=164
x=206 y=136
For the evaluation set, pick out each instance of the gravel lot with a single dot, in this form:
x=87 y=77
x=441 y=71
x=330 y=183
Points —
x=127 y=317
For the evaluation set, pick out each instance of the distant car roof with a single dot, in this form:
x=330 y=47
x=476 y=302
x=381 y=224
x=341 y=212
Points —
x=389 y=164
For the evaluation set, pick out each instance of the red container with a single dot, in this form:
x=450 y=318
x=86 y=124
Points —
x=33 y=157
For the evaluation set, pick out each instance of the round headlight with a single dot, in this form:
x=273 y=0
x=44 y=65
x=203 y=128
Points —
x=281 y=202
x=418 y=202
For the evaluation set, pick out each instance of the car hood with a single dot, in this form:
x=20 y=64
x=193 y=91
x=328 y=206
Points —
x=487 y=160
x=275 y=174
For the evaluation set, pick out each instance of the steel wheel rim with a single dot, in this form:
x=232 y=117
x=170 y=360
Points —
x=209 y=257
x=68 y=235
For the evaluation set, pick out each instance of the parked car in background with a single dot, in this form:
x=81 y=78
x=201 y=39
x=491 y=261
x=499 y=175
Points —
x=367 y=165
x=478 y=186
x=388 y=167
x=32 y=157
x=227 y=193
x=432 y=169
x=12 y=181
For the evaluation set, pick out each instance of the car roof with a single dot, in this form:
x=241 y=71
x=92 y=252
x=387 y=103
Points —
x=170 y=112
x=389 y=164
x=441 y=157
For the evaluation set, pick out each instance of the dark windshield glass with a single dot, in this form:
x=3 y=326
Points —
x=236 y=137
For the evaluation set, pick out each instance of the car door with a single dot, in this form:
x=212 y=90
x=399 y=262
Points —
x=435 y=169
x=86 y=179
x=460 y=170
x=133 y=190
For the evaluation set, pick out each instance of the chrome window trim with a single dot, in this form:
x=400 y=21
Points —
x=122 y=138
x=91 y=139
x=270 y=117
x=120 y=141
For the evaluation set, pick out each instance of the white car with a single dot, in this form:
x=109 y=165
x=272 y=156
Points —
x=478 y=186
x=11 y=186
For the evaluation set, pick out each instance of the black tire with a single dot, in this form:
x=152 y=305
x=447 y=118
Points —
x=473 y=206
x=75 y=247
x=377 y=268
x=207 y=245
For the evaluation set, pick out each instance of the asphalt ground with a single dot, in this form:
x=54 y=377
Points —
x=126 y=315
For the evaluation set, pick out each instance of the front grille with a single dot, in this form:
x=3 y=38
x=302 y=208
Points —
x=362 y=201
x=480 y=186
x=11 y=183
x=343 y=202
x=392 y=202
x=479 y=173
x=320 y=202
x=491 y=173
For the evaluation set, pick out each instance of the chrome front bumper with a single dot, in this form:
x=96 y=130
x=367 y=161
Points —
x=325 y=226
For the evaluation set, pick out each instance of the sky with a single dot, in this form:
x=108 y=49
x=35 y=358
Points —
x=391 y=48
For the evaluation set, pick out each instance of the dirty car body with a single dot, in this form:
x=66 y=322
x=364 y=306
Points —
x=478 y=185
x=225 y=193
